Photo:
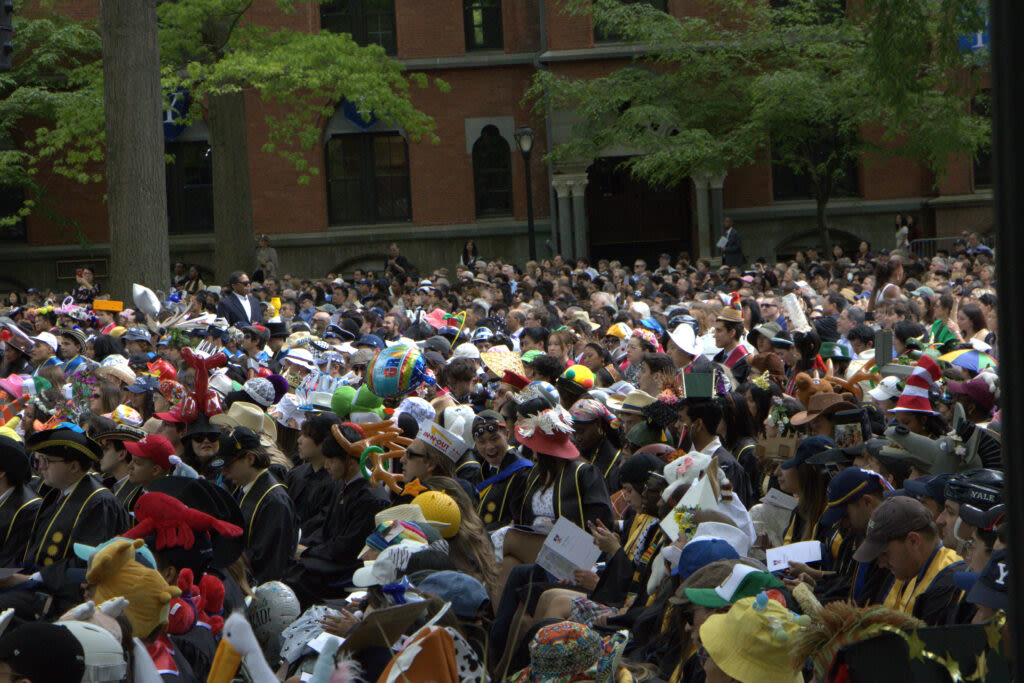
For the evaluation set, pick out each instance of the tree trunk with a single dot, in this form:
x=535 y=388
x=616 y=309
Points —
x=136 y=183
x=234 y=244
x=826 y=239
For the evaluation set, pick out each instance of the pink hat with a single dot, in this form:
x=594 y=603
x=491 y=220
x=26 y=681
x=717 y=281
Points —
x=436 y=318
x=548 y=432
x=914 y=398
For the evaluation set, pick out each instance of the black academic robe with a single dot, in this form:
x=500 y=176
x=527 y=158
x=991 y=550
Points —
x=496 y=496
x=127 y=493
x=311 y=491
x=469 y=469
x=197 y=646
x=740 y=370
x=332 y=553
x=270 y=528
x=581 y=496
x=624 y=579
x=17 y=516
x=607 y=460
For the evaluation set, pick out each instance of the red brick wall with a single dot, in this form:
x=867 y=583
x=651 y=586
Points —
x=521 y=26
x=567 y=31
x=429 y=28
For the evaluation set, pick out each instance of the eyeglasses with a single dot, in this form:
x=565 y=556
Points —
x=488 y=428
x=49 y=461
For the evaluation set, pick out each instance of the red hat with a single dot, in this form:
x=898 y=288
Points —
x=515 y=380
x=154 y=447
x=914 y=398
x=548 y=432
x=978 y=390
x=173 y=415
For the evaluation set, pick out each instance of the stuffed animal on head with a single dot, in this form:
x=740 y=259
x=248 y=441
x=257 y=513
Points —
x=807 y=386
x=114 y=572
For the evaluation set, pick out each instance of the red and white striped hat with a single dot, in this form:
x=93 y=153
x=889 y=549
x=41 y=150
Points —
x=914 y=398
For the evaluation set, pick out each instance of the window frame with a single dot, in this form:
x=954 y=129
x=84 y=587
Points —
x=358 y=19
x=493 y=39
x=367 y=180
x=602 y=37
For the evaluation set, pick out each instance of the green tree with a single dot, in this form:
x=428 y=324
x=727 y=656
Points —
x=799 y=81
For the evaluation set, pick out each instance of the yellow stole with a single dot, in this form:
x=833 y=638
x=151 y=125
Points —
x=903 y=595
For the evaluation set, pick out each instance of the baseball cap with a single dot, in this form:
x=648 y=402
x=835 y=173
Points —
x=144 y=384
x=930 y=485
x=895 y=518
x=438 y=344
x=44 y=653
x=743 y=582
x=46 y=338
x=886 y=390
x=370 y=340
x=849 y=485
x=808 y=448
x=988 y=587
x=698 y=553
x=154 y=447
x=466 y=594
x=531 y=356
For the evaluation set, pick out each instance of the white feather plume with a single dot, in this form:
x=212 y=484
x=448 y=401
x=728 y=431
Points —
x=549 y=421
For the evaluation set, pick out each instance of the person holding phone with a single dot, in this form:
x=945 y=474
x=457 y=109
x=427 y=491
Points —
x=85 y=290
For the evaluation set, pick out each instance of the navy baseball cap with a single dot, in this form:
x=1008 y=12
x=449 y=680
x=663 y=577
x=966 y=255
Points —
x=929 y=486
x=370 y=340
x=700 y=552
x=808 y=448
x=849 y=485
x=989 y=586
x=144 y=384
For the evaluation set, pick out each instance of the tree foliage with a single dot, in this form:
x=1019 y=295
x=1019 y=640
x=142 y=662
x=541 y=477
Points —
x=801 y=80
x=209 y=47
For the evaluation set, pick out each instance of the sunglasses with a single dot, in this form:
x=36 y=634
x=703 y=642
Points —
x=206 y=437
x=488 y=428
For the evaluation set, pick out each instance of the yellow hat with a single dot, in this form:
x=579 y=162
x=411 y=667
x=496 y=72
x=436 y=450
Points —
x=115 y=573
x=751 y=641
x=620 y=330
x=117 y=331
x=440 y=507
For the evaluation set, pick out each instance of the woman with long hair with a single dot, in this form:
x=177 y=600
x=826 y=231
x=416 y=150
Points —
x=888 y=277
x=105 y=397
x=595 y=356
x=470 y=255
x=805 y=350
x=805 y=483
x=971 y=321
x=560 y=345
x=470 y=548
x=739 y=436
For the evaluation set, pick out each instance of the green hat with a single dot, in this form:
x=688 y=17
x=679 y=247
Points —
x=744 y=582
x=347 y=400
x=644 y=433
x=834 y=350
x=531 y=355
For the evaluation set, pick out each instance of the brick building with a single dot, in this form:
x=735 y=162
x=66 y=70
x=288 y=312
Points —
x=376 y=187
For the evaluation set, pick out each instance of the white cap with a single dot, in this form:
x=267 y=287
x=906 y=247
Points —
x=48 y=339
x=302 y=358
x=735 y=537
x=466 y=350
x=886 y=390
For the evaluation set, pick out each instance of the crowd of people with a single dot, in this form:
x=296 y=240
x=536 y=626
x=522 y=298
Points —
x=359 y=476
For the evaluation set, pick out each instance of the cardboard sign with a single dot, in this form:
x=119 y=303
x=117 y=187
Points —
x=777 y=447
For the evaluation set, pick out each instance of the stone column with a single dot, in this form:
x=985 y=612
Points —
x=580 y=229
x=717 y=208
x=563 y=188
x=701 y=182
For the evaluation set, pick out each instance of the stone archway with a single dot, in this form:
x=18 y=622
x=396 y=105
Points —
x=787 y=248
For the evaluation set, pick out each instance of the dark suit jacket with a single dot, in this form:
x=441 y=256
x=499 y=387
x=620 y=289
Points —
x=231 y=310
x=732 y=253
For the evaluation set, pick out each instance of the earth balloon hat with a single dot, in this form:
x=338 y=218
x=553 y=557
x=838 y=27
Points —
x=396 y=371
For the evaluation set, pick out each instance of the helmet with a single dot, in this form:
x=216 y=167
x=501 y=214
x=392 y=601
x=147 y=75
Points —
x=273 y=608
x=979 y=488
x=440 y=508
x=104 y=656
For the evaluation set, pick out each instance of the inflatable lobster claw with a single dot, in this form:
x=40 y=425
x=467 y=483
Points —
x=381 y=442
x=203 y=399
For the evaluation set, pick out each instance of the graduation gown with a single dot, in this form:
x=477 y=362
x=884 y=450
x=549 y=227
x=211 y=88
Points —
x=17 y=516
x=624 y=579
x=580 y=497
x=311 y=491
x=332 y=553
x=127 y=493
x=607 y=459
x=270 y=528
x=495 y=490
x=197 y=646
x=469 y=469
x=737 y=475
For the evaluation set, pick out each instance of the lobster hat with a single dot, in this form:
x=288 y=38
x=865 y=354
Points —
x=914 y=398
x=206 y=497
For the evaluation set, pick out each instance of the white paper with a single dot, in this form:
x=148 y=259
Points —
x=795 y=313
x=722 y=242
x=318 y=643
x=777 y=498
x=700 y=496
x=779 y=558
x=566 y=549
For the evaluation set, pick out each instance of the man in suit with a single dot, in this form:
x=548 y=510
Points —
x=239 y=308
x=732 y=251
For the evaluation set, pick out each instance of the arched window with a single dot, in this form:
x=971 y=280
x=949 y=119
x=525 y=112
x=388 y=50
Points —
x=492 y=173
x=190 y=182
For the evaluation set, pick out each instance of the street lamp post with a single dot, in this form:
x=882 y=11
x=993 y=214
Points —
x=524 y=140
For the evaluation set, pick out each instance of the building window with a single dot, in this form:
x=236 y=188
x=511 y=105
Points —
x=492 y=173
x=368 y=178
x=482 y=20
x=608 y=34
x=982 y=105
x=189 y=187
x=11 y=199
x=367 y=21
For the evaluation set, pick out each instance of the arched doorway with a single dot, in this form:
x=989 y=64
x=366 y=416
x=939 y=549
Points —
x=630 y=219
